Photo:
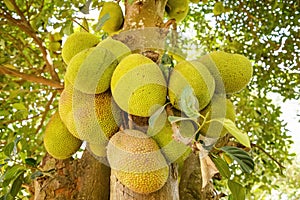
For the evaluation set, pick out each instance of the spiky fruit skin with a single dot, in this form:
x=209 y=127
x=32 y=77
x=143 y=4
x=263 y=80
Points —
x=137 y=161
x=93 y=118
x=177 y=10
x=232 y=72
x=119 y=49
x=115 y=21
x=161 y=131
x=58 y=141
x=219 y=108
x=77 y=42
x=191 y=74
x=90 y=70
x=138 y=85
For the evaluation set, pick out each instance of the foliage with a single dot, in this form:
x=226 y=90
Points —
x=264 y=31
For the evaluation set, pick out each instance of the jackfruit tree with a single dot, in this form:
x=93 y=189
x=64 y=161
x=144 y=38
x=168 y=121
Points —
x=141 y=99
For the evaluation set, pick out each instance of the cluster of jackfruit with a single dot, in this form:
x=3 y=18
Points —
x=105 y=82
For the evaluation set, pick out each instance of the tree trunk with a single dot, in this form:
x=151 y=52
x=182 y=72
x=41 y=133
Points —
x=85 y=178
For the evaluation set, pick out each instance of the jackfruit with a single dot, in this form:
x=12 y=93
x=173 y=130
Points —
x=195 y=75
x=219 y=108
x=77 y=42
x=119 y=49
x=138 y=85
x=98 y=150
x=93 y=118
x=161 y=131
x=177 y=10
x=232 y=72
x=90 y=70
x=116 y=18
x=58 y=141
x=137 y=161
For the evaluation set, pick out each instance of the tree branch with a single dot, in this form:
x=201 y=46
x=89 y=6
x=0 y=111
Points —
x=269 y=155
x=32 y=78
x=25 y=26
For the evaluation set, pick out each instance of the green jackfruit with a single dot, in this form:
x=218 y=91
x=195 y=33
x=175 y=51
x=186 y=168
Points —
x=90 y=70
x=77 y=42
x=195 y=75
x=232 y=72
x=119 y=49
x=58 y=141
x=138 y=85
x=98 y=150
x=177 y=10
x=93 y=118
x=115 y=21
x=161 y=131
x=137 y=161
x=219 y=108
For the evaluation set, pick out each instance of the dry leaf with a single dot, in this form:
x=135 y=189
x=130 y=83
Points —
x=208 y=168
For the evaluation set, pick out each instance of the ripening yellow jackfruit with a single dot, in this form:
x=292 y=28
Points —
x=58 y=141
x=115 y=21
x=137 y=161
x=219 y=108
x=77 y=42
x=177 y=10
x=232 y=72
x=90 y=70
x=195 y=75
x=138 y=85
x=93 y=118
x=161 y=131
x=119 y=49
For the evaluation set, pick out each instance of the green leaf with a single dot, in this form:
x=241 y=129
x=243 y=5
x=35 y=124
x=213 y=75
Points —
x=157 y=120
x=4 y=113
x=242 y=157
x=85 y=9
x=189 y=103
x=8 y=149
x=16 y=185
x=230 y=126
x=174 y=119
x=19 y=106
x=237 y=190
x=68 y=29
x=12 y=173
x=31 y=162
x=101 y=22
x=154 y=117
x=222 y=166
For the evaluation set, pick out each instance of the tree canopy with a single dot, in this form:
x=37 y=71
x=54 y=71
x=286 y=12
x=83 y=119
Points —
x=32 y=71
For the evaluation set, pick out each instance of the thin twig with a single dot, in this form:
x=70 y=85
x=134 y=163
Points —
x=32 y=78
x=18 y=120
x=269 y=155
x=47 y=108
